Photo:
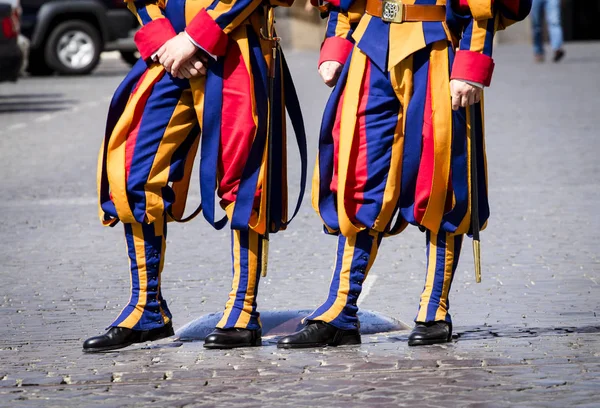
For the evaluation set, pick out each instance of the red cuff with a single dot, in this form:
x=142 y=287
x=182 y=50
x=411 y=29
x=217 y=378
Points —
x=207 y=34
x=152 y=36
x=473 y=66
x=335 y=49
x=316 y=3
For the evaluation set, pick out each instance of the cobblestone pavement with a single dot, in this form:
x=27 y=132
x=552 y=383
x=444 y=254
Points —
x=528 y=335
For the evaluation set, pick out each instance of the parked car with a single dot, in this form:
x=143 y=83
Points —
x=68 y=36
x=11 y=57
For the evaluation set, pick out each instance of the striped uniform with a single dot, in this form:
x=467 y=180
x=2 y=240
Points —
x=392 y=152
x=153 y=133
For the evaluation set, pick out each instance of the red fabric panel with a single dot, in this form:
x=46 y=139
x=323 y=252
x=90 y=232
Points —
x=207 y=33
x=335 y=134
x=237 y=125
x=152 y=36
x=315 y=3
x=425 y=176
x=357 y=166
x=473 y=66
x=135 y=123
x=335 y=49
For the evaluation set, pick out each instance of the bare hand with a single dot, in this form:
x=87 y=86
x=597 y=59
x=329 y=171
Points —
x=463 y=94
x=330 y=72
x=191 y=68
x=175 y=52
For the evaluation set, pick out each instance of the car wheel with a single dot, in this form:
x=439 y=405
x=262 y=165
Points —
x=130 y=57
x=73 y=48
x=37 y=66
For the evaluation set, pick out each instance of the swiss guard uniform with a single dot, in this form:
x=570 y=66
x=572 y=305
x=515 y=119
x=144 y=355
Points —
x=156 y=123
x=392 y=151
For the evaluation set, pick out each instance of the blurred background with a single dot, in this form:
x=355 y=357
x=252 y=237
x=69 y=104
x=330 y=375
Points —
x=68 y=37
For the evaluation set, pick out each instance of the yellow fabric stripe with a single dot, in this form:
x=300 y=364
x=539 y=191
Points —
x=347 y=135
x=159 y=231
x=343 y=25
x=140 y=257
x=442 y=310
x=442 y=135
x=225 y=6
x=154 y=11
x=479 y=34
x=481 y=9
x=431 y=264
x=344 y=286
x=465 y=224
x=402 y=82
x=405 y=39
x=115 y=156
x=178 y=129
x=253 y=267
x=236 y=278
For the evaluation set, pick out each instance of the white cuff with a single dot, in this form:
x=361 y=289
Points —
x=477 y=84
x=199 y=46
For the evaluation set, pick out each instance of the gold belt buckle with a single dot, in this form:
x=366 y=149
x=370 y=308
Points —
x=392 y=11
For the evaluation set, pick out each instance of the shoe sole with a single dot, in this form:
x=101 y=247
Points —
x=107 y=348
x=221 y=346
x=346 y=341
x=428 y=342
x=169 y=333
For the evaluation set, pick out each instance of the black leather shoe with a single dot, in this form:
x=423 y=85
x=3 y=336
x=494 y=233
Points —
x=119 y=337
x=319 y=334
x=430 y=333
x=232 y=338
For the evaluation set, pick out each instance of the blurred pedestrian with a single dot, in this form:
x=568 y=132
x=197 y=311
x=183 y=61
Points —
x=551 y=10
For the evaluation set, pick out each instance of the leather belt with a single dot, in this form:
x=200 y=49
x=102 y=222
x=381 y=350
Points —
x=394 y=11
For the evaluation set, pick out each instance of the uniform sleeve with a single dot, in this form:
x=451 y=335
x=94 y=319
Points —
x=156 y=29
x=473 y=60
x=210 y=27
x=338 y=37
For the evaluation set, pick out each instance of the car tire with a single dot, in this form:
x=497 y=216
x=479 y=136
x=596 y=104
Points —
x=130 y=57
x=36 y=64
x=73 y=48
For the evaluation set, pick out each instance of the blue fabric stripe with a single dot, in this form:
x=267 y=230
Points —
x=151 y=317
x=248 y=183
x=489 y=38
x=175 y=13
x=376 y=50
x=142 y=12
x=135 y=282
x=332 y=23
x=210 y=141
x=327 y=200
x=335 y=281
x=438 y=280
x=117 y=106
x=158 y=111
x=278 y=116
x=381 y=120
x=227 y=18
x=433 y=31
x=484 y=208
x=413 y=134
x=242 y=289
x=458 y=240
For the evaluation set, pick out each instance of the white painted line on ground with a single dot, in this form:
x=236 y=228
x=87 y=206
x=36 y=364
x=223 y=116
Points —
x=366 y=288
x=44 y=118
x=16 y=126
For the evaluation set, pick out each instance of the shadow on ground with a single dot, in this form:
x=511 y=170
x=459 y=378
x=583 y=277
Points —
x=35 y=102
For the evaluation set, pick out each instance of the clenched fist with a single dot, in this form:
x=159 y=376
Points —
x=330 y=72
x=463 y=94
